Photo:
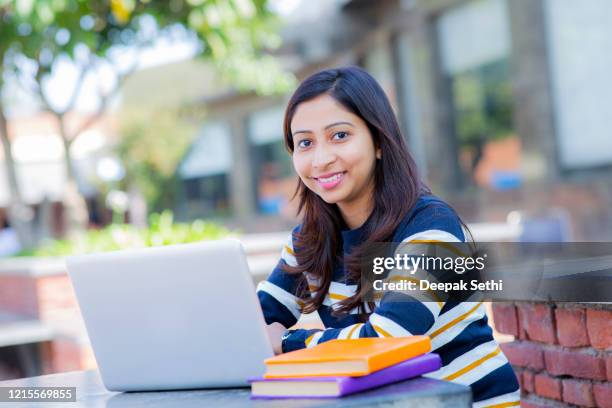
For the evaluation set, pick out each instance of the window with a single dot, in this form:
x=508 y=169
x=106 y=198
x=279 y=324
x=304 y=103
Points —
x=273 y=172
x=205 y=171
x=474 y=43
x=208 y=194
x=580 y=40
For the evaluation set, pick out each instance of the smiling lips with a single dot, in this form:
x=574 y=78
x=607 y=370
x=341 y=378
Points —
x=331 y=180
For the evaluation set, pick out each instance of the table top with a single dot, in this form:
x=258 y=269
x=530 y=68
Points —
x=421 y=392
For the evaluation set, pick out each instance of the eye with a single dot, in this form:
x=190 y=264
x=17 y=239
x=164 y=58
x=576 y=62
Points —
x=340 y=135
x=304 y=143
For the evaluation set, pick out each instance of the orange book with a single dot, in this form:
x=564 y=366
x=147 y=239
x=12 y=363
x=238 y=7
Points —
x=355 y=357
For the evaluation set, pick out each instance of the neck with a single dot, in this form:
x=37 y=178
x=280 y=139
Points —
x=356 y=212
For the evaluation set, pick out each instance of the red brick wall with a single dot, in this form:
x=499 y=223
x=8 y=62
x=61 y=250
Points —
x=51 y=300
x=43 y=298
x=562 y=352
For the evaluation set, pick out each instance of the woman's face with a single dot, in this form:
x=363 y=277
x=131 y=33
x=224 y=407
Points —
x=334 y=152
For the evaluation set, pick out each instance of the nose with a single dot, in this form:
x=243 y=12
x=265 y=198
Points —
x=323 y=156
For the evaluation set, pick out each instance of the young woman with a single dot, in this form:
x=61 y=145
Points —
x=358 y=185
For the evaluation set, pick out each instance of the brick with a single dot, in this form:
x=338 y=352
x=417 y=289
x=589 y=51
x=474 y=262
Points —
x=532 y=404
x=533 y=401
x=46 y=357
x=609 y=368
x=528 y=383
x=599 y=327
x=68 y=354
x=504 y=318
x=547 y=386
x=582 y=364
x=18 y=295
x=538 y=322
x=578 y=392
x=521 y=330
x=56 y=297
x=603 y=394
x=571 y=327
x=524 y=354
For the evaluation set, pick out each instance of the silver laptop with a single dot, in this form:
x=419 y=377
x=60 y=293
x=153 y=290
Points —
x=173 y=317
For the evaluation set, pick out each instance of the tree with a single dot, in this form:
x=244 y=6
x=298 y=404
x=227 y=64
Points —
x=35 y=35
x=17 y=210
x=151 y=149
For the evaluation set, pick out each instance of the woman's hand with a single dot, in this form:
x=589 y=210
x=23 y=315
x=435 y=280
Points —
x=275 y=332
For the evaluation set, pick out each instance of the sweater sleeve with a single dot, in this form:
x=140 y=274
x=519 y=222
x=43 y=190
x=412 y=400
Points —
x=397 y=314
x=278 y=293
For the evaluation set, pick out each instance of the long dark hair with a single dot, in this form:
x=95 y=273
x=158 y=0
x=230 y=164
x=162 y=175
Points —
x=396 y=180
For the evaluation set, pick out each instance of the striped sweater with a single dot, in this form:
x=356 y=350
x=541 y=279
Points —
x=459 y=331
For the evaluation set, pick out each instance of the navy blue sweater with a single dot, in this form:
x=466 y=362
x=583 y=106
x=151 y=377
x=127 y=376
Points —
x=459 y=331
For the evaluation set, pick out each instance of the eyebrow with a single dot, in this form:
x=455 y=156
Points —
x=326 y=127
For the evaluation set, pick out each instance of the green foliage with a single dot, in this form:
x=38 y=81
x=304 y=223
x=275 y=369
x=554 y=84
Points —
x=161 y=231
x=483 y=103
x=151 y=146
x=232 y=33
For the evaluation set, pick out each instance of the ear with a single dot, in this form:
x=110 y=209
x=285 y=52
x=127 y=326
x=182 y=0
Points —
x=378 y=153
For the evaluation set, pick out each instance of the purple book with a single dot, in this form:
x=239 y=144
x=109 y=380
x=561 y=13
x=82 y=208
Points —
x=331 y=387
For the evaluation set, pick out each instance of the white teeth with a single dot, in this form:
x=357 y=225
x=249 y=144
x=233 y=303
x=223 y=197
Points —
x=330 y=179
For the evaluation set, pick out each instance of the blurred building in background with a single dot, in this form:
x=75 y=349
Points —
x=503 y=104
x=41 y=167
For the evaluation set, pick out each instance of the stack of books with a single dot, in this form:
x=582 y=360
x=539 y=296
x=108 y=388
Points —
x=340 y=367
